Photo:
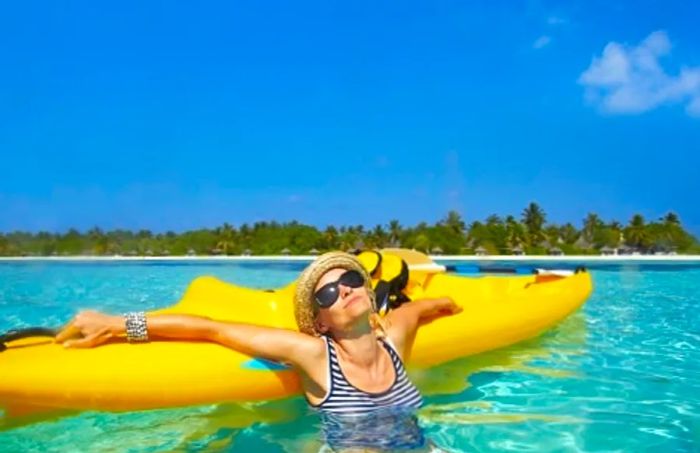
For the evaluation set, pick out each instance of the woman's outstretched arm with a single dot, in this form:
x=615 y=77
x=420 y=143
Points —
x=403 y=322
x=282 y=345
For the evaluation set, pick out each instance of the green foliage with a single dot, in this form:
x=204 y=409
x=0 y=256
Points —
x=568 y=234
x=450 y=235
x=534 y=217
x=592 y=225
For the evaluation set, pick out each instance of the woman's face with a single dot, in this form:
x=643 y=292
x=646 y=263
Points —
x=352 y=305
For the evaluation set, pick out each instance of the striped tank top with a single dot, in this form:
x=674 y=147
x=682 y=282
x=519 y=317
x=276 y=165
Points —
x=343 y=398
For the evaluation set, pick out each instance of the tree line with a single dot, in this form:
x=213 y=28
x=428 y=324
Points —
x=529 y=234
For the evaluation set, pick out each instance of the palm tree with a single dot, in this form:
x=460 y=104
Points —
x=225 y=238
x=568 y=233
x=394 y=232
x=591 y=224
x=494 y=220
x=95 y=233
x=355 y=231
x=671 y=219
x=496 y=232
x=422 y=243
x=330 y=237
x=244 y=236
x=668 y=233
x=4 y=246
x=534 y=218
x=552 y=233
x=379 y=236
x=636 y=233
x=422 y=226
x=475 y=233
x=515 y=232
x=616 y=235
x=100 y=242
x=350 y=237
x=244 y=230
x=454 y=222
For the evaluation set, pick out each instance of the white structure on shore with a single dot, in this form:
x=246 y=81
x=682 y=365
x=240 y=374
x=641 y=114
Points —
x=608 y=251
x=517 y=250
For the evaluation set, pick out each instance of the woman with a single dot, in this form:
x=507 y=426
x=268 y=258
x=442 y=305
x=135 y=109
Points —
x=350 y=360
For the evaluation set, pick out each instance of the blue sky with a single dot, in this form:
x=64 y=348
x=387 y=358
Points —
x=179 y=115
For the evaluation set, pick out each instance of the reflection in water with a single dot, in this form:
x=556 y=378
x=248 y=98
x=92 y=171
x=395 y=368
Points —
x=385 y=429
x=552 y=355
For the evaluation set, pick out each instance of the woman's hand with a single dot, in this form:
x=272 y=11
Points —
x=405 y=320
x=437 y=308
x=96 y=328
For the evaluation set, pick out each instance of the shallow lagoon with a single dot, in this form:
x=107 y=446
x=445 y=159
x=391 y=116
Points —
x=622 y=374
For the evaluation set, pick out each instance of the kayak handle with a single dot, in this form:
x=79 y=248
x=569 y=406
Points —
x=18 y=334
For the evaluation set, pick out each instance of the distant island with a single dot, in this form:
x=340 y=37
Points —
x=531 y=234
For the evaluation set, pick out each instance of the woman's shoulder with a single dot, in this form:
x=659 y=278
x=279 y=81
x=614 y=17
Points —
x=312 y=346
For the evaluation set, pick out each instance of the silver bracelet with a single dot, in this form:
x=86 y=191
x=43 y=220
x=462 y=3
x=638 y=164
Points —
x=136 y=328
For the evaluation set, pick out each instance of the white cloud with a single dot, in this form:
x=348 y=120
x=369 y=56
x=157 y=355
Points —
x=541 y=42
x=630 y=79
x=693 y=107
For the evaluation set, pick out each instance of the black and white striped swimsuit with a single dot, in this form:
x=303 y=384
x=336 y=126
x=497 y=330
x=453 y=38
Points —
x=343 y=398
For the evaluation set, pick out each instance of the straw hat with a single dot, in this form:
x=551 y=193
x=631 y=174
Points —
x=305 y=307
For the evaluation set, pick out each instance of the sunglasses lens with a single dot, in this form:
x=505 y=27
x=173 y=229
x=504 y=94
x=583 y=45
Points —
x=328 y=294
x=352 y=279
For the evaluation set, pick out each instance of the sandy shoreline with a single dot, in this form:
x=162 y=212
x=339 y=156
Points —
x=525 y=258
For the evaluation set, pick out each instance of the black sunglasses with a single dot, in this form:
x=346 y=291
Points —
x=327 y=295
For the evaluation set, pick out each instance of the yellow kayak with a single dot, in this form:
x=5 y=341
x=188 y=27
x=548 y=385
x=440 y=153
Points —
x=36 y=373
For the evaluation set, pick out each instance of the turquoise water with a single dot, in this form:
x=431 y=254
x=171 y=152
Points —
x=623 y=374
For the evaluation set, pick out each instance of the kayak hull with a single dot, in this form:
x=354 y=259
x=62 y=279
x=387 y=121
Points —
x=497 y=311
